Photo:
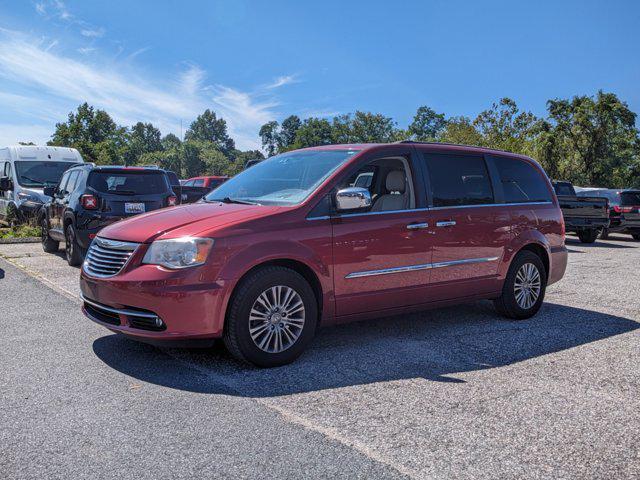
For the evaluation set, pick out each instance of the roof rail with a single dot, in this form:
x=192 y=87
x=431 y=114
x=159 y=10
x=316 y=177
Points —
x=451 y=144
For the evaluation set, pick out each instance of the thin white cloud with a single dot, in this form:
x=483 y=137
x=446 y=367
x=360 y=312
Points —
x=282 y=80
x=86 y=50
x=41 y=8
x=125 y=93
x=92 y=32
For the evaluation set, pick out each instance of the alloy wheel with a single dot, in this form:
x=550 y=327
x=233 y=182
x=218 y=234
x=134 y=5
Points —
x=276 y=319
x=527 y=286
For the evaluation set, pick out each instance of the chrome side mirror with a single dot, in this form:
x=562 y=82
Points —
x=353 y=198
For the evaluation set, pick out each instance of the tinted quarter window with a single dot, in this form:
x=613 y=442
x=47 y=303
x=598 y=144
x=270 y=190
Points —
x=630 y=198
x=199 y=182
x=128 y=183
x=459 y=180
x=563 y=189
x=521 y=181
x=73 y=180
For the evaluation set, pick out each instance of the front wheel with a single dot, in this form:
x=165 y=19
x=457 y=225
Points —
x=272 y=317
x=524 y=287
x=588 y=236
x=604 y=234
x=71 y=247
x=49 y=245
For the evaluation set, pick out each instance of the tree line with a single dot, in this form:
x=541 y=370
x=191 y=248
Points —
x=206 y=148
x=588 y=140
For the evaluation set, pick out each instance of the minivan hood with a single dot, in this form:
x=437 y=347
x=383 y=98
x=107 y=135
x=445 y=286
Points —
x=183 y=220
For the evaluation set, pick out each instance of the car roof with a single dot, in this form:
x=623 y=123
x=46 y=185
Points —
x=439 y=146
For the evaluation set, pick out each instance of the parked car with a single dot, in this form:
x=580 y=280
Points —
x=585 y=215
x=209 y=182
x=88 y=198
x=290 y=244
x=624 y=210
x=24 y=171
x=194 y=189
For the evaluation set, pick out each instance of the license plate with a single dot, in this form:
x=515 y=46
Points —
x=134 y=208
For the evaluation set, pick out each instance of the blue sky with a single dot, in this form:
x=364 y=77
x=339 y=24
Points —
x=254 y=61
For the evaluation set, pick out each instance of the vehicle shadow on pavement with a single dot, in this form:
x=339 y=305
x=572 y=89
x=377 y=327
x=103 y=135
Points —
x=433 y=345
x=596 y=244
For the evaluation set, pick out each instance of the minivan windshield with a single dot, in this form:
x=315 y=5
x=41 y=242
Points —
x=38 y=174
x=285 y=179
x=128 y=183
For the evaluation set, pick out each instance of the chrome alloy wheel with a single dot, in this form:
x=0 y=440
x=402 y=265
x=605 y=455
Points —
x=276 y=319
x=527 y=286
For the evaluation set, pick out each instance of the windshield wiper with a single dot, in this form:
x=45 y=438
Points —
x=236 y=200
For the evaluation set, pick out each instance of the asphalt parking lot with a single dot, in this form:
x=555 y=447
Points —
x=449 y=393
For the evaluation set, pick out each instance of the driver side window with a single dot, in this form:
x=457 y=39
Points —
x=389 y=183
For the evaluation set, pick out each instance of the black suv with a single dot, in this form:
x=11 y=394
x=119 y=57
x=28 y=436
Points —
x=624 y=210
x=88 y=198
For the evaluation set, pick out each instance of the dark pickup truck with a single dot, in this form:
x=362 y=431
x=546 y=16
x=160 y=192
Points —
x=185 y=193
x=587 y=216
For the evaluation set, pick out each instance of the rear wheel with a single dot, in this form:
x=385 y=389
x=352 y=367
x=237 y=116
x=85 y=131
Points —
x=49 y=245
x=524 y=287
x=588 y=236
x=636 y=236
x=604 y=234
x=71 y=247
x=272 y=317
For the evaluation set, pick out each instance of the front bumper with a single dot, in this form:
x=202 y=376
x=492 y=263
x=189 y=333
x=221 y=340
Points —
x=28 y=209
x=129 y=303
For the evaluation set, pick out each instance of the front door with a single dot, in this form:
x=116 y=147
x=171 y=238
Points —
x=382 y=255
x=469 y=231
x=5 y=195
x=58 y=204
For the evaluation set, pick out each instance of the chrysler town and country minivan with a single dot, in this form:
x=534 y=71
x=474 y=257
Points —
x=326 y=235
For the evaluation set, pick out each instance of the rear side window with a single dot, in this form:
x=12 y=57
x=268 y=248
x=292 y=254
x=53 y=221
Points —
x=199 y=182
x=128 y=183
x=459 y=180
x=73 y=180
x=563 y=189
x=521 y=181
x=173 y=178
x=630 y=198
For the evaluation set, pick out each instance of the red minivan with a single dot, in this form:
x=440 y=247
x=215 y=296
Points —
x=328 y=235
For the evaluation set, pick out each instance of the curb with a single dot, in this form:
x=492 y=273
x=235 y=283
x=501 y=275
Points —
x=5 y=241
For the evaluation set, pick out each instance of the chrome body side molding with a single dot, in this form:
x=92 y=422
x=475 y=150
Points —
x=424 y=266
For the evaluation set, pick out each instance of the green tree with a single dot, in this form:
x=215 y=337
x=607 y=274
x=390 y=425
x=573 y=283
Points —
x=601 y=135
x=170 y=141
x=269 y=133
x=143 y=138
x=209 y=128
x=87 y=128
x=288 y=130
x=313 y=131
x=460 y=130
x=505 y=127
x=427 y=125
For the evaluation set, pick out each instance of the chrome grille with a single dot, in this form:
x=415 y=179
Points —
x=107 y=258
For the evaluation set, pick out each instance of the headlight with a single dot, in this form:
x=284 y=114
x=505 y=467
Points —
x=29 y=197
x=179 y=252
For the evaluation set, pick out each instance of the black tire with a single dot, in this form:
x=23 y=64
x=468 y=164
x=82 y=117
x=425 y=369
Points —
x=636 y=236
x=588 y=236
x=507 y=305
x=237 y=336
x=49 y=245
x=604 y=234
x=71 y=247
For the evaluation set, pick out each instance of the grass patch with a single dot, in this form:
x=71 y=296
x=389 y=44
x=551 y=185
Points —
x=21 y=231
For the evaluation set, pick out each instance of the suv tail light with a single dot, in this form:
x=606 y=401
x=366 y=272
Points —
x=89 y=202
x=620 y=209
x=172 y=201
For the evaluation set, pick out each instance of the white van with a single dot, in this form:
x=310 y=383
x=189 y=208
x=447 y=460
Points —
x=24 y=171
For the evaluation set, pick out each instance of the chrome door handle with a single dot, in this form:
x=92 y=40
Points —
x=448 y=223
x=417 y=226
